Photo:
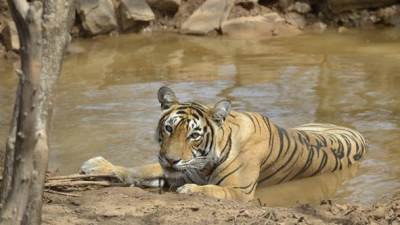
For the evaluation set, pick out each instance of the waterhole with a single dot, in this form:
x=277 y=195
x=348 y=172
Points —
x=106 y=100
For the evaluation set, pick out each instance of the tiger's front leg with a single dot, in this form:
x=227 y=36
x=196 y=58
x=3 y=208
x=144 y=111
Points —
x=145 y=176
x=239 y=185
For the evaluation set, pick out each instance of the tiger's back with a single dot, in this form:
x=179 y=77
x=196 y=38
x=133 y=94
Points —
x=312 y=149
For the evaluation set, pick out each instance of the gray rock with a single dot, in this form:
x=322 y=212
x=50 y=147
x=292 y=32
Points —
x=248 y=4
x=10 y=36
x=319 y=27
x=285 y=4
x=2 y=50
x=390 y=15
x=97 y=16
x=4 y=8
x=246 y=1
x=296 y=19
x=338 y=6
x=208 y=17
x=266 y=26
x=134 y=14
x=165 y=6
x=300 y=7
x=343 y=29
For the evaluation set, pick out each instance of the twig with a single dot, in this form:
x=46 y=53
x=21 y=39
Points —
x=61 y=193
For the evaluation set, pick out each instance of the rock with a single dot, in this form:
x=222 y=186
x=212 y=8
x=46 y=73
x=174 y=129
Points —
x=300 y=7
x=10 y=36
x=97 y=16
x=319 y=27
x=390 y=15
x=273 y=17
x=11 y=55
x=165 y=6
x=134 y=14
x=2 y=54
x=284 y=4
x=343 y=29
x=338 y=6
x=208 y=17
x=75 y=31
x=367 y=19
x=247 y=4
x=266 y=26
x=4 y=8
x=378 y=213
x=296 y=20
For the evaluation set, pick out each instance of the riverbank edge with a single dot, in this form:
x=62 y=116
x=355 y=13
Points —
x=129 y=205
x=244 y=19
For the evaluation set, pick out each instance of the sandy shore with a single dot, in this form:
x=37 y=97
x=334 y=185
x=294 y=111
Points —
x=122 y=205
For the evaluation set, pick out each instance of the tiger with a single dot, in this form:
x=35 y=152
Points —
x=225 y=154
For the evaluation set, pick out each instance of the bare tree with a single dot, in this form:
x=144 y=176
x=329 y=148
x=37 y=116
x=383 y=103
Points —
x=43 y=31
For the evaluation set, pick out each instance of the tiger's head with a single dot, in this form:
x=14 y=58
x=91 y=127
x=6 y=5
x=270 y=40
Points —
x=187 y=132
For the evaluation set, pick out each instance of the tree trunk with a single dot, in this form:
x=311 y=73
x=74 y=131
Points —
x=43 y=32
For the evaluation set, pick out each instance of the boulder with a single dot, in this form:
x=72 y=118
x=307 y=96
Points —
x=318 y=27
x=208 y=17
x=247 y=4
x=390 y=15
x=337 y=6
x=263 y=26
x=134 y=14
x=300 y=7
x=2 y=54
x=343 y=29
x=169 y=7
x=3 y=5
x=285 y=4
x=97 y=16
x=10 y=35
x=296 y=19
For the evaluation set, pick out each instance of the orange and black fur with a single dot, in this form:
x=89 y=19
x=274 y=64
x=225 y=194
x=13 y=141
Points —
x=226 y=154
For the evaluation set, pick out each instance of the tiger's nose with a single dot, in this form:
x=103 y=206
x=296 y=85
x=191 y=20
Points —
x=171 y=160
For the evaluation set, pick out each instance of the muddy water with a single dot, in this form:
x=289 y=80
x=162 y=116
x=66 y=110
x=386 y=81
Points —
x=106 y=102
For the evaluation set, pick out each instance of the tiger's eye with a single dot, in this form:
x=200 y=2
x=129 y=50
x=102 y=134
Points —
x=194 y=135
x=168 y=128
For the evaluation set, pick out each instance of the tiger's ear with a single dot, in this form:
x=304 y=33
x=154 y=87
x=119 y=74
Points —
x=220 y=111
x=166 y=97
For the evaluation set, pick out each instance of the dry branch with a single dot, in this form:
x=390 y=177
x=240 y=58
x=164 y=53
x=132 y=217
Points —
x=77 y=183
x=61 y=193
x=80 y=182
x=82 y=176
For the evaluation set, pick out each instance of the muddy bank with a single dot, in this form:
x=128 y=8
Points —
x=137 y=206
x=237 y=18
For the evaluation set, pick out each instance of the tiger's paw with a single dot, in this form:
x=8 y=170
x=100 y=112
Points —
x=189 y=188
x=97 y=165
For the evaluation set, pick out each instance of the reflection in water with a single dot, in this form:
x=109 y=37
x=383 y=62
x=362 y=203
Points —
x=307 y=190
x=106 y=102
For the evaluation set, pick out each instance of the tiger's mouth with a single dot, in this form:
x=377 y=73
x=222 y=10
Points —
x=183 y=165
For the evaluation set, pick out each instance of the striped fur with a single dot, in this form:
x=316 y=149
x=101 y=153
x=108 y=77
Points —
x=226 y=154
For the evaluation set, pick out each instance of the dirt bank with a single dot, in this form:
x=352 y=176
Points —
x=121 y=205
